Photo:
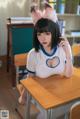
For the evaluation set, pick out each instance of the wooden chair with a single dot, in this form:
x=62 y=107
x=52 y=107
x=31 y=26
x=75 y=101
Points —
x=20 y=60
x=75 y=111
x=76 y=54
x=76 y=49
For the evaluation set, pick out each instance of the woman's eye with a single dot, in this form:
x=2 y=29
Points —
x=47 y=33
x=38 y=34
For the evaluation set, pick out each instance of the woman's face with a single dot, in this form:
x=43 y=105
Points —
x=45 y=39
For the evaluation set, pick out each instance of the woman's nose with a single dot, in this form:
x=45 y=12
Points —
x=43 y=36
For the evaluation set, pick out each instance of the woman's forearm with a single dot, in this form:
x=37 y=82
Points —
x=68 y=67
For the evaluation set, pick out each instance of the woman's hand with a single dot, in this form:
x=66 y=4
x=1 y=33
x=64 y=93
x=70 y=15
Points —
x=66 y=46
x=67 y=49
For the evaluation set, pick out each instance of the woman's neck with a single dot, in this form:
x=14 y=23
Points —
x=48 y=49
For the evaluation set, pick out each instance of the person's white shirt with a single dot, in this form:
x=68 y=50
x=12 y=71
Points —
x=44 y=65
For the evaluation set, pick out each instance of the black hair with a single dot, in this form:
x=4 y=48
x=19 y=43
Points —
x=46 y=25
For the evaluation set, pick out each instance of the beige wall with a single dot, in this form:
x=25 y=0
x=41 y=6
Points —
x=10 y=8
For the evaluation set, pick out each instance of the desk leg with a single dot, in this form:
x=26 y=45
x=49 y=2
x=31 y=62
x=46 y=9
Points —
x=49 y=114
x=66 y=116
x=28 y=103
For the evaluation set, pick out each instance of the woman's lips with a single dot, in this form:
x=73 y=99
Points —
x=44 y=42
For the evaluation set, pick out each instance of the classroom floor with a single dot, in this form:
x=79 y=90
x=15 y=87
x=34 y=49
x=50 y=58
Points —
x=9 y=96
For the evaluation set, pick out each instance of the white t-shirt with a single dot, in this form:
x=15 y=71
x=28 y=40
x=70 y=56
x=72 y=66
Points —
x=44 y=65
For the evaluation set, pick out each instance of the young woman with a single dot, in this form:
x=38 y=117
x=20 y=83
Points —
x=51 y=54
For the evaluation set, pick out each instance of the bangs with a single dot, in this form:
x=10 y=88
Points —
x=43 y=25
x=43 y=29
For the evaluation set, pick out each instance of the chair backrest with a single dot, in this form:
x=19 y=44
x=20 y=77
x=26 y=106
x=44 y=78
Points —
x=76 y=49
x=75 y=111
x=20 y=59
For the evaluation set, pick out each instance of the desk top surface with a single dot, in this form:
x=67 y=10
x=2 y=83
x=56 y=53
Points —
x=55 y=90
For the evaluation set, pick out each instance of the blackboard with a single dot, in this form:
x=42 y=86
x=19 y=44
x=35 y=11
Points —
x=22 y=40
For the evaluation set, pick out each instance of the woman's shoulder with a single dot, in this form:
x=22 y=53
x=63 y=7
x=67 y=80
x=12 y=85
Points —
x=60 y=48
x=32 y=52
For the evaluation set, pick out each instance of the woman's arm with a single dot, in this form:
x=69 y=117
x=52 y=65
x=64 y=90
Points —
x=30 y=75
x=68 y=65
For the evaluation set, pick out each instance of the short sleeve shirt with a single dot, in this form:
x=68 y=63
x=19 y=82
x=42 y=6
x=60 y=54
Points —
x=44 y=65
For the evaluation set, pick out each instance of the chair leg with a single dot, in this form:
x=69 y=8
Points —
x=66 y=116
x=18 y=113
x=17 y=105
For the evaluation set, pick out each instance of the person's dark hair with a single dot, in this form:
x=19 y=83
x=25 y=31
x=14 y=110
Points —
x=46 y=25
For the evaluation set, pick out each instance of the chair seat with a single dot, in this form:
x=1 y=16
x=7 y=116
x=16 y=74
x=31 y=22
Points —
x=75 y=111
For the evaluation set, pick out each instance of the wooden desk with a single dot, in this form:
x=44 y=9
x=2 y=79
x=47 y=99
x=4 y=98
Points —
x=56 y=92
x=19 y=40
